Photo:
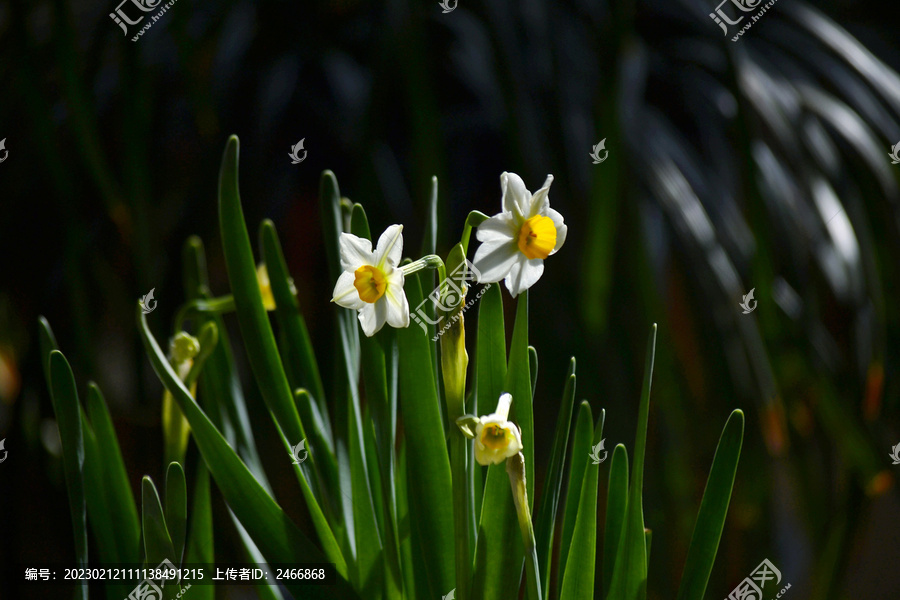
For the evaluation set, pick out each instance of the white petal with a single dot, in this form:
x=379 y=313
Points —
x=523 y=275
x=345 y=293
x=372 y=318
x=493 y=260
x=499 y=228
x=355 y=252
x=516 y=197
x=390 y=246
x=540 y=202
x=396 y=302
x=561 y=228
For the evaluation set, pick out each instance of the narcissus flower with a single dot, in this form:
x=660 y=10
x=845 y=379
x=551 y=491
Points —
x=372 y=283
x=496 y=439
x=183 y=348
x=515 y=242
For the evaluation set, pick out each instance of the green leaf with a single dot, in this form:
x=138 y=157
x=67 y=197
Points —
x=302 y=358
x=47 y=343
x=157 y=541
x=616 y=506
x=176 y=509
x=581 y=449
x=277 y=537
x=259 y=341
x=122 y=507
x=346 y=394
x=713 y=509
x=199 y=547
x=546 y=518
x=496 y=573
x=68 y=419
x=519 y=384
x=429 y=466
x=578 y=579
x=408 y=559
x=630 y=574
x=490 y=352
x=648 y=538
x=95 y=497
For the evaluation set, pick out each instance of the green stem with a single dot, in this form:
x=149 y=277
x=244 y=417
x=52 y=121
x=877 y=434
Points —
x=474 y=219
x=426 y=262
x=223 y=304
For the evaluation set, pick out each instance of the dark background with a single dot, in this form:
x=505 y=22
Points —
x=758 y=164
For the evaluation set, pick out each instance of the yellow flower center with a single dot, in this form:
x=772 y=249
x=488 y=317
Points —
x=494 y=437
x=370 y=283
x=537 y=237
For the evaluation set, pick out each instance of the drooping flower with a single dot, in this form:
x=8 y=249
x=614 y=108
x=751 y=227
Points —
x=496 y=439
x=183 y=349
x=515 y=242
x=372 y=283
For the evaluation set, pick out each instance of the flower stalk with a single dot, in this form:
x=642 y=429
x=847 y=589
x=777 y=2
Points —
x=515 y=468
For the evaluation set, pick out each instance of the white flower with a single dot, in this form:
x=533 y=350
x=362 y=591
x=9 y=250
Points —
x=516 y=241
x=372 y=283
x=496 y=439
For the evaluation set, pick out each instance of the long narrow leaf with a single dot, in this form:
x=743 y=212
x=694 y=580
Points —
x=199 y=548
x=302 y=357
x=713 y=509
x=616 y=505
x=429 y=482
x=546 y=520
x=157 y=540
x=259 y=340
x=68 y=418
x=176 y=509
x=630 y=575
x=122 y=507
x=578 y=579
x=581 y=449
